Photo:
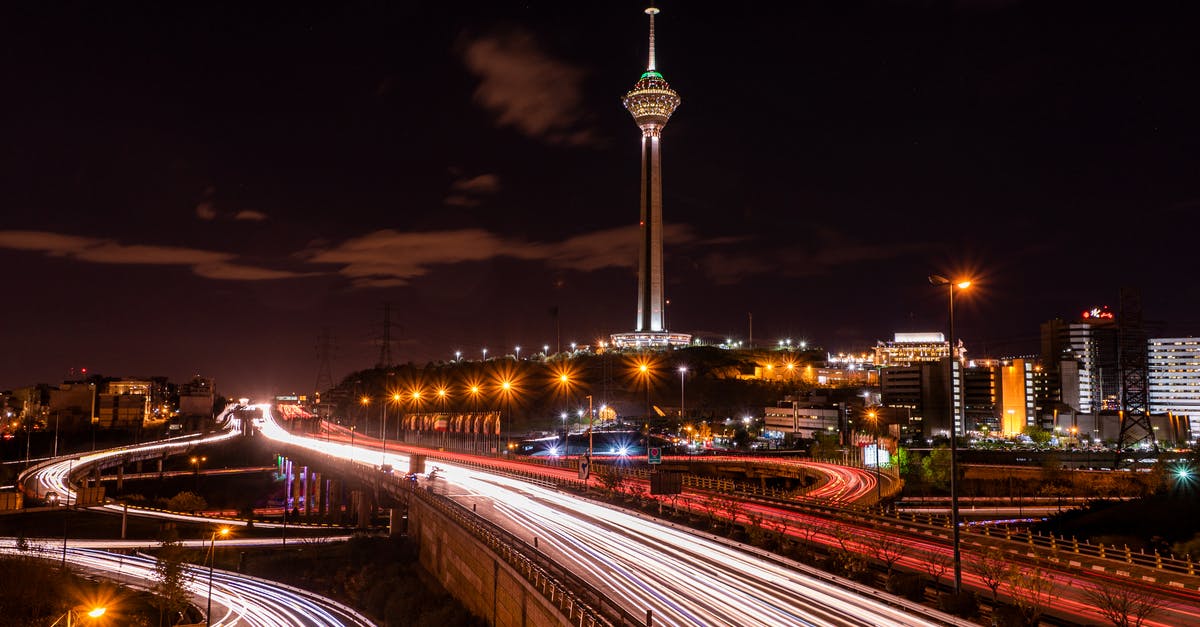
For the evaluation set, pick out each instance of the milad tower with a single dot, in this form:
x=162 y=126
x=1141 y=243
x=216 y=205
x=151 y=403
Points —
x=651 y=103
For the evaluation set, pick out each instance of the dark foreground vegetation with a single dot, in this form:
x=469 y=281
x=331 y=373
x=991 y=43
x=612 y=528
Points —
x=379 y=576
x=37 y=592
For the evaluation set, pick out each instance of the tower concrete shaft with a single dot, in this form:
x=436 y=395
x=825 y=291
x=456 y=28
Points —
x=651 y=103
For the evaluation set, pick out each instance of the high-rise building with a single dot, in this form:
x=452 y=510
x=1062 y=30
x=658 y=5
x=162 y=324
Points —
x=1091 y=342
x=651 y=103
x=1175 y=380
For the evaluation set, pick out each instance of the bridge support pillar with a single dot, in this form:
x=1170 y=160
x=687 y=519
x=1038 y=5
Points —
x=318 y=494
x=296 y=477
x=308 y=491
x=362 y=508
x=397 y=521
x=335 y=500
x=121 y=479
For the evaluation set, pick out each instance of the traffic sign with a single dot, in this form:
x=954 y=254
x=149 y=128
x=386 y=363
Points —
x=654 y=455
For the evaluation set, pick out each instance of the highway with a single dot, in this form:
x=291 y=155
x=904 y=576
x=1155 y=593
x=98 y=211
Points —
x=683 y=577
x=558 y=521
x=638 y=561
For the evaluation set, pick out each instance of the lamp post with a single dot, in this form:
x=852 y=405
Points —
x=212 y=556
x=474 y=390
x=591 y=423
x=505 y=392
x=682 y=377
x=196 y=461
x=873 y=418
x=442 y=394
x=938 y=280
x=644 y=373
x=383 y=429
x=518 y=353
x=93 y=614
x=564 y=388
x=416 y=400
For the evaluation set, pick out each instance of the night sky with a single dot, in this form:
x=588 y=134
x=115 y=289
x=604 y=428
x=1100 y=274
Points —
x=205 y=188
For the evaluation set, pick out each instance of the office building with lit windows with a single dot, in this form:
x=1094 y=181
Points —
x=1175 y=379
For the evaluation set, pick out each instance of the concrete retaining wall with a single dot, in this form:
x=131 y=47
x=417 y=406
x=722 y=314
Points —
x=476 y=576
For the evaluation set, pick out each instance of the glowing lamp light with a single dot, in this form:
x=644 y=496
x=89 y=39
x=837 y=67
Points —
x=97 y=612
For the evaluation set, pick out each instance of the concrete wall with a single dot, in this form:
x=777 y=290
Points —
x=470 y=571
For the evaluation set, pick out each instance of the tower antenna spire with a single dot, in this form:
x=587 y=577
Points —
x=651 y=11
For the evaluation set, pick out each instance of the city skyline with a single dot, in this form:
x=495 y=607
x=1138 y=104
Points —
x=203 y=191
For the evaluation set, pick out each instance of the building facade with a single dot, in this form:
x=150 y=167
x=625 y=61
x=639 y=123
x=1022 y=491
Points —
x=910 y=348
x=1175 y=380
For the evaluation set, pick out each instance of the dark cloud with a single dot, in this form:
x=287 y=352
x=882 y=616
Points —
x=206 y=210
x=390 y=258
x=527 y=89
x=482 y=184
x=467 y=192
x=205 y=263
x=251 y=215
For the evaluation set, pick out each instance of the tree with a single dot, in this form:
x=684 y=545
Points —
x=1031 y=589
x=755 y=531
x=780 y=527
x=612 y=479
x=731 y=508
x=1123 y=605
x=1040 y=436
x=993 y=568
x=187 y=502
x=936 y=564
x=935 y=467
x=887 y=548
x=170 y=595
x=808 y=532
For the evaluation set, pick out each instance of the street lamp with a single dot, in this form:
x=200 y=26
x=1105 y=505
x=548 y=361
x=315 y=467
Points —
x=682 y=377
x=196 y=461
x=441 y=394
x=485 y=354
x=873 y=418
x=591 y=423
x=212 y=555
x=644 y=372
x=505 y=392
x=383 y=429
x=93 y=614
x=474 y=392
x=416 y=400
x=518 y=352
x=938 y=280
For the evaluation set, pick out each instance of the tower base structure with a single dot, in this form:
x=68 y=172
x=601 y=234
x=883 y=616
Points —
x=650 y=339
